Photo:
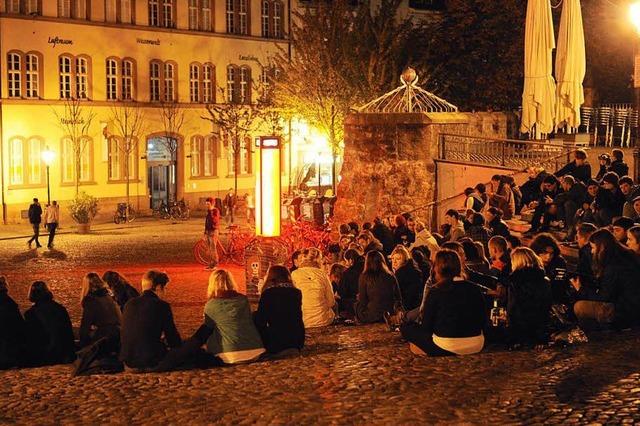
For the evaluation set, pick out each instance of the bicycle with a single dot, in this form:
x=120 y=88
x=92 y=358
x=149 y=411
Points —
x=162 y=211
x=180 y=210
x=233 y=251
x=125 y=213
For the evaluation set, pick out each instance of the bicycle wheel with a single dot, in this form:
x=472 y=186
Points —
x=131 y=214
x=116 y=219
x=202 y=253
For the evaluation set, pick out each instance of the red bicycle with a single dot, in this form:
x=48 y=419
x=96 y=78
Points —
x=230 y=248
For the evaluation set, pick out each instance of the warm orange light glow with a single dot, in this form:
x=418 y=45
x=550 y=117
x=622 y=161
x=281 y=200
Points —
x=268 y=188
x=634 y=15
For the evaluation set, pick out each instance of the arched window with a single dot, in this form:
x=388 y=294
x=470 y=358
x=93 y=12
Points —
x=128 y=67
x=232 y=75
x=206 y=15
x=119 y=151
x=154 y=83
x=65 y=73
x=74 y=76
x=16 y=161
x=32 y=75
x=245 y=85
x=210 y=157
x=25 y=161
x=82 y=77
x=85 y=148
x=208 y=83
x=169 y=82
x=112 y=79
x=266 y=18
x=194 y=82
x=167 y=13
x=14 y=77
x=196 y=156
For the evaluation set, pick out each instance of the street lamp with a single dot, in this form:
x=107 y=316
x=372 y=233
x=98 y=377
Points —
x=47 y=157
x=634 y=17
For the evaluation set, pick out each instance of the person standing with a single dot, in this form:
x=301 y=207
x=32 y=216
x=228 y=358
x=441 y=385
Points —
x=51 y=219
x=229 y=204
x=211 y=225
x=251 y=208
x=35 y=218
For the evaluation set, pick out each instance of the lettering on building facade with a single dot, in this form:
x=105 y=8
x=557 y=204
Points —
x=155 y=42
x=248 y=58
x=54 y=41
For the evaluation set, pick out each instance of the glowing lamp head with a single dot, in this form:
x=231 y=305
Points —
x=48 y=156
x=634 y=15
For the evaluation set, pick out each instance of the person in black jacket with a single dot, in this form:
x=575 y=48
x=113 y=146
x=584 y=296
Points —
x=605 y=162
x=35 y=219
x=569 y=201
x=493 y=216
x=551 y=189
x=532 y=188
x=585 y=259
x=630 y=192
x=148 y=329
x=279 y=315
x=348 y=285
x=401 y=233
x=616 y=298
x=579 y=168
x=529 y=299
x=101 y=316
x=409 y=278
x=120 y=288
x=384 y=234
x=618 y=166
x=609 y=200
x=377 y=290
x=12 y=330
x=547 y=248
x=49 y=332
x=454 y=313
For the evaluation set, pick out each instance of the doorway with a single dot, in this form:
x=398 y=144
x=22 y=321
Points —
x=161 y=168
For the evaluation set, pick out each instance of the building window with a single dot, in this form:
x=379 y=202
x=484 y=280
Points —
x=271 y=19
x=193 y=14
x=208 y=83
x=203 y=156
x=120 y=79
x=68 y=160
x=200 y=15
x=14 y=78
x=231 y=84
x=154 y=85
x=64 y=8
x=206 y=18
x=111 y=10
x=163 y=81
x=12 y=6
x=76 y=9
x=32 y=75
x=245 y=85
x=154 y=13
x=80 y=9
x=169 y=82
x=277 y=19
x=117 y=166
x=126 y=13
x=265 y=18
x=74 y=73
x=25 y=161
x=167 y=13
x=237 y=17
x=194 y=83
x=196 y=155
x=244 y=158
x=112 y=79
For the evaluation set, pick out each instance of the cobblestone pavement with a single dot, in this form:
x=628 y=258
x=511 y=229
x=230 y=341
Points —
x=362 y=375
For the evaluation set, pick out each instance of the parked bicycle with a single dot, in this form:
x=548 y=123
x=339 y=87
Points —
x=230 y=250
x=124 y=213
x=175 y=210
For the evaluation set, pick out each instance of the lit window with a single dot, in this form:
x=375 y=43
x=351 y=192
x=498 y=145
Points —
x=194 y=83
x=169 y=86
x=35 y=161
x=231 y=84
x=82 y=78
x=68 y=160
x=16 y=162
x=32 y=75
x=195 y=155
x=15 y=73
x=127 y=80
x=155 y=81
x=112 y=79
x=207 y=83
x=245 y=81
x=65 y=77
x=209 y=160
x=114 y=159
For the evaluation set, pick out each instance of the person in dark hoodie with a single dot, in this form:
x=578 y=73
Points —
x=493 y=216
x=546 y=247
x=615 y=300
x=409 y=278
x=368 y=242
x=384 y=234
x=101 y=316
x=120 y=288
x=12 y=330
x=348 y=285
x=49 y=331
x=579 y=168
x=618 y=166
x=529 y=299
x=569 y=201
x=609 y=200
x=604 y=164
x=585 y=258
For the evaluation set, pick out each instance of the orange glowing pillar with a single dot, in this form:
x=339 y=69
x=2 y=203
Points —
x=268 y=187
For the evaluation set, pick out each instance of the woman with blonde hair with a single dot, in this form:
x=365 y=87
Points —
x=317 y=294
x=101 y=316
x=529 y=299
x=409 y=278
x=235 y=337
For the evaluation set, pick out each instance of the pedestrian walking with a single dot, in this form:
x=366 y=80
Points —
x=51 y=220
x=251 y=208
x=211 y=226
x=229 y=205
x=35 y=219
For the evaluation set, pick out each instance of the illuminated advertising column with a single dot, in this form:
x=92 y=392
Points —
x=268 y=187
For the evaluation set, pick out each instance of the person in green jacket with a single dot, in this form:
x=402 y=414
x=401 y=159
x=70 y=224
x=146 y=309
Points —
x=235 y=338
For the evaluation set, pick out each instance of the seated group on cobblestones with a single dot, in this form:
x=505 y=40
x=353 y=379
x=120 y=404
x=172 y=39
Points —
x=475 y=284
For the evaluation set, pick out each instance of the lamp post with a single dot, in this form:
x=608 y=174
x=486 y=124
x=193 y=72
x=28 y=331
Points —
x=47 y=157
x=634 y=16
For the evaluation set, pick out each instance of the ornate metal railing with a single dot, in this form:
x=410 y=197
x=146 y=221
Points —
x=508 y=153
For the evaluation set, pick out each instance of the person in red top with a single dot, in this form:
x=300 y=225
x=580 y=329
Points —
x=211 y=225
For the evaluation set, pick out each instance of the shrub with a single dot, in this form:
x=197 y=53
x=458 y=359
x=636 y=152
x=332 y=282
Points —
x=84 y=208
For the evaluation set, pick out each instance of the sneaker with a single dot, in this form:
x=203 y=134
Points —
x=29 y=243
x=38 y=245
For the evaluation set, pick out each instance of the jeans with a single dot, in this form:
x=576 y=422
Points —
x=36 y=234
x=212 y=241
x=52 y=233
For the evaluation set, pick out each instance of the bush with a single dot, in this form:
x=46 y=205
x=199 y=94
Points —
x=84 y=208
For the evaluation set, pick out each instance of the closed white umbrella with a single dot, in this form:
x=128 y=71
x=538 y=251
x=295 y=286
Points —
x=539 y=92
x=571 y=65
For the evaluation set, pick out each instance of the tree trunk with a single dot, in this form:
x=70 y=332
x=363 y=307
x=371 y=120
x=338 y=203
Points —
x=126 y=174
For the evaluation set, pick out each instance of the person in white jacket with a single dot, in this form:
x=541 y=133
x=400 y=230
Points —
x=51 y=220
x=424 y=238
x=317 y=295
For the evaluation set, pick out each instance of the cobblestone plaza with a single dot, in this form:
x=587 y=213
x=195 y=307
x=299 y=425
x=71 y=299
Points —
x=345 y=375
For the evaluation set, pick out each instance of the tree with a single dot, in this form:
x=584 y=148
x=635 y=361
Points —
x=236 y=122
x=343 y=55
x=172 y=116
x=75 y=121
x=129 y=124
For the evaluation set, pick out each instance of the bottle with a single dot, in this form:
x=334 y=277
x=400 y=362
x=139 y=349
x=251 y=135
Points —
x=495 y=314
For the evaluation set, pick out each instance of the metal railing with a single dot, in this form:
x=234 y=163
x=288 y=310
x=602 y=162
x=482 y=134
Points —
x=508 y=153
